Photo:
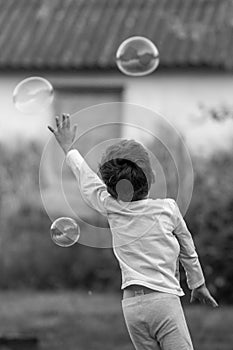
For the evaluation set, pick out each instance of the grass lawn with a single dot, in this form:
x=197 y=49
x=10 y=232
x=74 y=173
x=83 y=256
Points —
x=79 y=321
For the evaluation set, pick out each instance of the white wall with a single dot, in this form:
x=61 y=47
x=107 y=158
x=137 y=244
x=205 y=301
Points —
x=173 y=94
x=177 y=97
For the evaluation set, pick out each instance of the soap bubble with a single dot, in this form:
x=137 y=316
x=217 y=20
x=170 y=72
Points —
x=65 y=232
x=32 y=95
x=137 y=56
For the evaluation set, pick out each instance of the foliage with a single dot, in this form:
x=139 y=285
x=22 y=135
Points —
x=30 y=259
x=218 y=113
x=210 y=219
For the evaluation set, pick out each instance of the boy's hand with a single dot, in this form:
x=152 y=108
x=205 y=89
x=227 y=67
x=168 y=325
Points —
x=65 y=135
x=203 y=295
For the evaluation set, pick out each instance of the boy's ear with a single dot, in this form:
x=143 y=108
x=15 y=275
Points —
x=153 y=176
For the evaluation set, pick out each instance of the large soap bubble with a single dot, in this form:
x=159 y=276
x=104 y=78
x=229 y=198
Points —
x=137 y=56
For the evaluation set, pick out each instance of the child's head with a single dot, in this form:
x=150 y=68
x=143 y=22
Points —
x=127 y=160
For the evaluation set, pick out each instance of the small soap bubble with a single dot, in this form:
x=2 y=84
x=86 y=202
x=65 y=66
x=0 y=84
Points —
x=137 y=56
x=32 y=95
x=65 y=232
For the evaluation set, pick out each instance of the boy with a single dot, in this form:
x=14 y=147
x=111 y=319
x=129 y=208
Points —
x=150 y=237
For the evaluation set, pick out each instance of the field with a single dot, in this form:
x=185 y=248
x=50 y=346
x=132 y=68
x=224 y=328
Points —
x=85 y=321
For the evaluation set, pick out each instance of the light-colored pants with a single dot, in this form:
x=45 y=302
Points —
x=156 y=321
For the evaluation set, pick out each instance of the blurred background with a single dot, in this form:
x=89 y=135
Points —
x=71 y=297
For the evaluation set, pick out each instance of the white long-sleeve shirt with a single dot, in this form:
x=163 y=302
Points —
x=150 y=236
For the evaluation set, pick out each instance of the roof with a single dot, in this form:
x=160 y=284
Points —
x=85 y=34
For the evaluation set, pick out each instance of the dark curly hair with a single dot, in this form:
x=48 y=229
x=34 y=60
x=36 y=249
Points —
x=127 y=160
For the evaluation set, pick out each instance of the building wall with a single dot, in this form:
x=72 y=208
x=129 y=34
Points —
x=161 y=105
x=178 y=97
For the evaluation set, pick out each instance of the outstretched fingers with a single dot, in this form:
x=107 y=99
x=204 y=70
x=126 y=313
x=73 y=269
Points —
x=51 y=129
x=75 y=129
x=65 y=121
x=62 y=122
x=57 y=122
x=58 y=125
x=68 y=120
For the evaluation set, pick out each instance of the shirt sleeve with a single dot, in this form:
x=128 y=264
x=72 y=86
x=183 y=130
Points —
x=188 y=255
x=92 y=189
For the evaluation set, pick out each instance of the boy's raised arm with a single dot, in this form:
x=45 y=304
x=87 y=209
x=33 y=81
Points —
x=91 y=187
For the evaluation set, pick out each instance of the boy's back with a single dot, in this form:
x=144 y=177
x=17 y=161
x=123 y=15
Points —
x=149 y=238
x=145 y=246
